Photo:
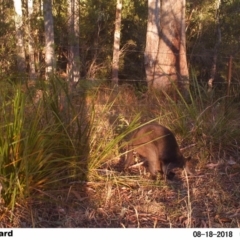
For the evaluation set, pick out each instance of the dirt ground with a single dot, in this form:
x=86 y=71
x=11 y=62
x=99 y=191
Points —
x=211 y=198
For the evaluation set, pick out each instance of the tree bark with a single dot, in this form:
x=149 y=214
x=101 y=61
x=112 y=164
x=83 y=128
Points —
x=152 y=40
x=50 y=60
x=32 y=70
x=116 y=44
x=21 y=64
x=170 y=67
x=215 y=51
x=73 y=42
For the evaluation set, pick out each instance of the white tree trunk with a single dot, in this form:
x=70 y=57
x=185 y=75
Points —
x=152 y=39
x=32 y=70
x=21 y=65
x=116 y=43
x=183 y=76
x=73 y=42
x=50 y=60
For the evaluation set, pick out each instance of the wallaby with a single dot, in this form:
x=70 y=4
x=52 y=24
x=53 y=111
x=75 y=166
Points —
x=158 y=145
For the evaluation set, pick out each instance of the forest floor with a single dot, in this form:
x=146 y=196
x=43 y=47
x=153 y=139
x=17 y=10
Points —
x=211 y=198
x=117 y=199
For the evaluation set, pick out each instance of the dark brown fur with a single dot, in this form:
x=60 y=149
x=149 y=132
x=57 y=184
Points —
x=158 y=145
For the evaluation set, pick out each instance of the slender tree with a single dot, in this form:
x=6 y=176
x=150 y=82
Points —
x=116 y=43
x=21 y=64
x=152 y=40
x=32 y=70
x=50 y=60
x=73 y=42
x=215 y=50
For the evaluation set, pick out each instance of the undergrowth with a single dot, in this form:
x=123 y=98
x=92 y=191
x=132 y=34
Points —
x=68 y=137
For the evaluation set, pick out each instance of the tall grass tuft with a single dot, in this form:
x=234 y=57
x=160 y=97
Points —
x=45 y=145
x=35 y=148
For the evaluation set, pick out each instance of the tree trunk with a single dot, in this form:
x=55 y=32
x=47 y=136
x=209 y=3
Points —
x=182 y=65
x=73 y=42
x=152 y=40
x=171 y=62
x=21 y=64
x=38 y=11
x=32 y=70
x=116 y=44
x=215 y=51
x=50 y=60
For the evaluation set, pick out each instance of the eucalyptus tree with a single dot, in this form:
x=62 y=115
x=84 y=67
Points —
x=152 y=40
x=116 y=43
x=73 y=42
x=169 y=67
x=216 y=47
x=30 y=37
x=50 y=60
x=20 y=51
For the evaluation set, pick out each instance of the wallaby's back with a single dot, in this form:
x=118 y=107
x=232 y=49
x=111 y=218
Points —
x=158 y=145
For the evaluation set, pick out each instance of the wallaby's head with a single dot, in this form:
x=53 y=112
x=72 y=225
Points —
x=181 y=163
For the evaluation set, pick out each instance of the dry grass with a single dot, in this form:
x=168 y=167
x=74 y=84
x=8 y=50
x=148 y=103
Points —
x=136 y=202
x=111 y=198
